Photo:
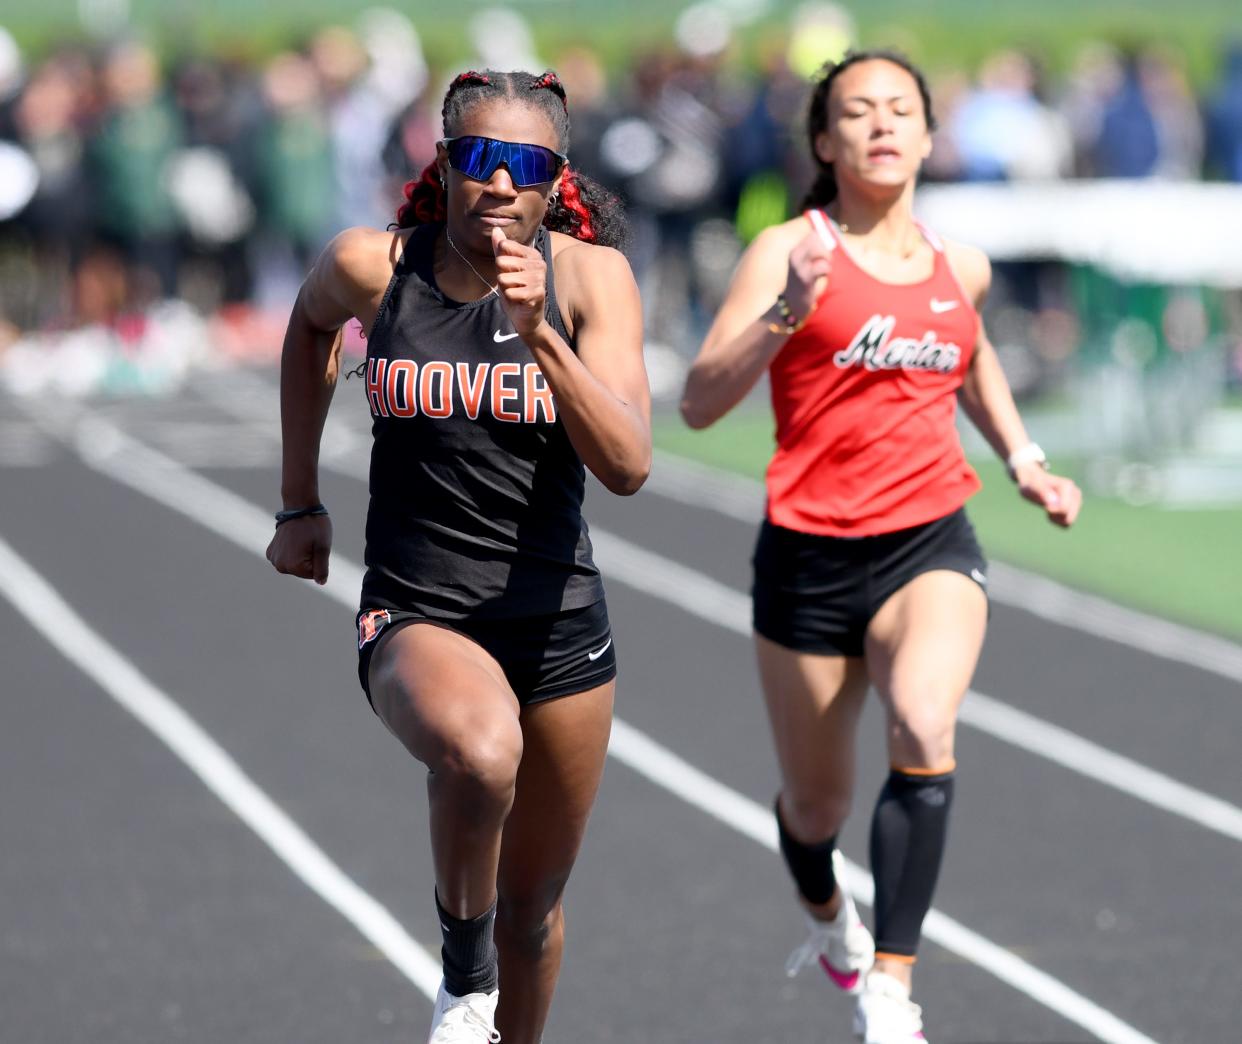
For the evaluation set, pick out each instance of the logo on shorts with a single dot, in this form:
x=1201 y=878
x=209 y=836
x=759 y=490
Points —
x=370 y=624
x=978 y=577
x=600 y=651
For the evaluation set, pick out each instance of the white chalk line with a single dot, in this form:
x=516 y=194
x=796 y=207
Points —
x=33 y=597
x=726 y=607
x=111 y=452
x=699 y=485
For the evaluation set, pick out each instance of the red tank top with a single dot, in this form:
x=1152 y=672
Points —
x=864 y=397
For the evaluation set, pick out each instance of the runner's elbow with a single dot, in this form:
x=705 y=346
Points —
x=625 y=478
x=696 y=413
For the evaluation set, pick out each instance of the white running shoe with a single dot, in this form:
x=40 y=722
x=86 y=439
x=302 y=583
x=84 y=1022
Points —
x=464 y=1020
x=843 y=947
x=885 y=1014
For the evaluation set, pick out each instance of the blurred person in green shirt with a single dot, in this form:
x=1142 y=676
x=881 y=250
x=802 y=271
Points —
x=294 y=163
x=127 y=159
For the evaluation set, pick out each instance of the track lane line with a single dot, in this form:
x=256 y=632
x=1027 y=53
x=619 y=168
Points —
x=661 y=766
x=109 y=451
x=727 y=493
x=726 y=607
x=698 y=485
x=35 y=598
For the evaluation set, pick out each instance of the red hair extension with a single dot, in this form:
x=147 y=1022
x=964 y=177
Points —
x=553 y=83
x=571 y=200
x=425 y=199
x=470 y=76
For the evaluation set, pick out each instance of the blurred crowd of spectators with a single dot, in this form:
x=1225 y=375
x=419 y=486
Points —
x=214 y=180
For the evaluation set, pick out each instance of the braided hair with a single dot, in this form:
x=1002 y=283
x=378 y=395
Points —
x=824 y=189
x=583 y=208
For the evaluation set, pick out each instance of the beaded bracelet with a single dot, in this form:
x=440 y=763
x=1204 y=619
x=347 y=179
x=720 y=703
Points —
x=303 y=512
x=789 y=324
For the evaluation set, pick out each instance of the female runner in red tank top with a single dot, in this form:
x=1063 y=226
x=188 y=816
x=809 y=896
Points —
x=866 y=568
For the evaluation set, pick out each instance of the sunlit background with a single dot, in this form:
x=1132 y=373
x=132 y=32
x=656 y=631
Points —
x=169 y=170
x=207 y=835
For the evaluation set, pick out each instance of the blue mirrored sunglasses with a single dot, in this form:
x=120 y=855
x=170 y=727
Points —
x=478 y=158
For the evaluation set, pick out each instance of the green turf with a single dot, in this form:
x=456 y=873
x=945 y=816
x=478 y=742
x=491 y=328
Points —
x=1182 y=565
x=948 y=33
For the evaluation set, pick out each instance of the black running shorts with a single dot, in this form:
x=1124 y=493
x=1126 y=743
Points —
x=543 y=657
x=817 y=594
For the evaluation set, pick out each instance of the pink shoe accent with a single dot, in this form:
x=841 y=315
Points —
x=847 y=981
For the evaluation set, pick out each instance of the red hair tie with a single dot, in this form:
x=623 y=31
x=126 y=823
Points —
x=553 y=83
x=571 y=199
x=425 y=199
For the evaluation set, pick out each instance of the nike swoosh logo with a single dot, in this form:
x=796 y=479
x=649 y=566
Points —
x=978 y=577
x=498 y=337
x=943 y=306
x=599 y=652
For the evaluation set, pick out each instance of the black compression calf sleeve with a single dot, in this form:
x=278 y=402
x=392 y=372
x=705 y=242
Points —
x=908 y=834
x=468 y=952
x=810 y=865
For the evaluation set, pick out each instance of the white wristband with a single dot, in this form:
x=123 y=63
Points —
x=1031 y=453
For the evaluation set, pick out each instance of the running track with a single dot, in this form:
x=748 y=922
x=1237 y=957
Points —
x=208 y=837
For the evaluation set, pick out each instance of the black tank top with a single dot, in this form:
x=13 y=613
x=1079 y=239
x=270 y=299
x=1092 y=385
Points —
x=476 y=491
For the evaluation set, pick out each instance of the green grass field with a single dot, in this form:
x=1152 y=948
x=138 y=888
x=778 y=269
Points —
x=1182 y=565
x=948 y=33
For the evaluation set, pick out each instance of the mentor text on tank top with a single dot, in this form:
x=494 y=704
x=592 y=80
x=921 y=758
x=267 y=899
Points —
x=865 y=402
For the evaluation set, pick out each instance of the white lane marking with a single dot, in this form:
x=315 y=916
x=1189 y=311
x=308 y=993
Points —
x=718 y=604
x=57 y=622
x=256 y=402
x=229 y=516
x=1081 y=755
x=670 y=772
x=105 y=448
x=699 y=485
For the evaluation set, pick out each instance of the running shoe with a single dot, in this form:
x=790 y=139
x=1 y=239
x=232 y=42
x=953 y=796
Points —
x=885 y=1014
x=464 y=1020
x=843 y=947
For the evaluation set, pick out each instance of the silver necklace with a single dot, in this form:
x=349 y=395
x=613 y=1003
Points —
x=490 y=289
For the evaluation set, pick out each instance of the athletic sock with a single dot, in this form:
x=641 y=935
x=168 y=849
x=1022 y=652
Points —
x=908 y=834
x=810 y=865
x=468 y=952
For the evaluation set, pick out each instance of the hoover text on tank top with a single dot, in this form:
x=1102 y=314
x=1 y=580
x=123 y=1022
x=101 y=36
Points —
x=476 y=491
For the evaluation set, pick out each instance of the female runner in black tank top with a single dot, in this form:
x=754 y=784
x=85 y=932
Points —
x=491 y=384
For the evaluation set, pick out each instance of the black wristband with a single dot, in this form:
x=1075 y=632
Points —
x=303 y=512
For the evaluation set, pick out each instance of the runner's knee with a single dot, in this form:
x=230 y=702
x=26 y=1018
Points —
x=812 y=816
x=921 y=730
x=481 y=757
